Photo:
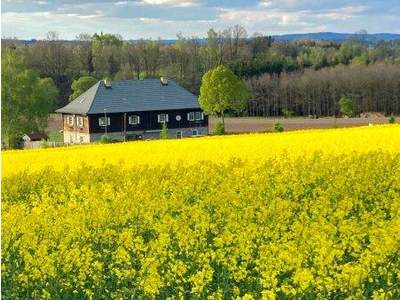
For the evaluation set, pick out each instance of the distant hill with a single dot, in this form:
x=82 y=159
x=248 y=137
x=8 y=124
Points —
x=315 y=36
x=336 y=37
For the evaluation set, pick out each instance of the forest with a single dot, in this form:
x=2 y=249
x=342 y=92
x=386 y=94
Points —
x=303 y=77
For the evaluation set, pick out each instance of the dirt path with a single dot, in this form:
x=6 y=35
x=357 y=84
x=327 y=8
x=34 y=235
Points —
x=239 y=125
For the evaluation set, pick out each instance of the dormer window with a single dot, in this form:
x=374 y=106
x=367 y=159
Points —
x=107 y=83
x=134 y=120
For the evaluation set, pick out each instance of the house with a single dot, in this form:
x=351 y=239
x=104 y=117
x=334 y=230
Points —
x=133 y=109
x=34 y=140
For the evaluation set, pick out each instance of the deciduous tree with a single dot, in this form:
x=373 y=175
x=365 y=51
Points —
x=81 y=85
x=221 y=90
x=27 y=100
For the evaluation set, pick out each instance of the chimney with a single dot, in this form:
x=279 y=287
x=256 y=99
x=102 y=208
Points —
x=107 y=83
x=163 y=80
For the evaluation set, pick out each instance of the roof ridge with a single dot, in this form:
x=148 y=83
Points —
x=132 y=95
x=94 y=97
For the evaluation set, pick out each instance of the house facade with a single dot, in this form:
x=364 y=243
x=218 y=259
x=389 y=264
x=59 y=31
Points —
x=133 y=109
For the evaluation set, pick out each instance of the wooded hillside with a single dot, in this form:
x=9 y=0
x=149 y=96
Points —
x=297 y=76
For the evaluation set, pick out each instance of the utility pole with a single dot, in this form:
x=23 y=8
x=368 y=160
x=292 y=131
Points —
x=106 y=122
x=124 y=127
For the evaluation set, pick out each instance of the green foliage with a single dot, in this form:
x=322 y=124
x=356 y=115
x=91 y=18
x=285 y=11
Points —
x=81 y=85
x=212 y=57
x=164 y=131
x=348 y=51
x=346 y=106
x=278 y=127
x=222 y=90
x=392 y=120
x=287 y=113
x=360 y=60
x=107 y=51
x=105 y=139
x=56 y=136
x=27 y=100
x=219 y=129
x=107 y=39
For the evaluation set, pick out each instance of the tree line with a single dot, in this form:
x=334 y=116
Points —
x=370 y=88
x=189 y=58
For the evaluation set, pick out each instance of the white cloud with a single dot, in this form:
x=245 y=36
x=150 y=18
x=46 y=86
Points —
x=41 y=2
x=343 y=13
x=153 y=18
x=177 y=3
x=258 y=16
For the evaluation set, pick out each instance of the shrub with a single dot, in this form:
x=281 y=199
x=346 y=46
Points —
x=278 y=127
x=105 y=139
x=219 y=129
x=392 y=120
x=346 y=106
x=164 y=131
x=287 y=113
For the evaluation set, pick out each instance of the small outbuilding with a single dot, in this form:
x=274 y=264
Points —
x=33 y=140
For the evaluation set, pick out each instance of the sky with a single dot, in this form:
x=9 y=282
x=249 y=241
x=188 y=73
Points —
x=135 y=19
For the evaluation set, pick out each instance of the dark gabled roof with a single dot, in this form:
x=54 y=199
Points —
x=131 y=95
x=37 y=136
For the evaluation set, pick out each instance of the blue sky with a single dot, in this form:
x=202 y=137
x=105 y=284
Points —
x=135 y=19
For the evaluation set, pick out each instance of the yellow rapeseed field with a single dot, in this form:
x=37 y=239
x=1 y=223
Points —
x=251 y=147
x=301 y=215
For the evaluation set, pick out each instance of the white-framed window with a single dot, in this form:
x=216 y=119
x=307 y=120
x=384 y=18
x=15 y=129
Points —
x=162 y=118
x=190 y=116
x=198 y=115
x=79 y=121
x=195 y=116
x=195 y=132
x=102 y=121
x=179 y=134
x=134 y=120
x=81 y=139
x=70 y=120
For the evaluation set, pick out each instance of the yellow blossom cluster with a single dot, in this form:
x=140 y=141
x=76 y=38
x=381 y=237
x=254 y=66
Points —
x=303 y=215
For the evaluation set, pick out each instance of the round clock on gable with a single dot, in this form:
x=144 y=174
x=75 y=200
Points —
x=178 y=118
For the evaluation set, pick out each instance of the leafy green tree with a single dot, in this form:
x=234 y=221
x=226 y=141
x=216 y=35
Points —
x=211 y=50
x=164 y=131
x=346 y=106
x=107 y=51
x=107 y=39
x=27 y=100
x=81 y=85
x=360 y=60
x=222 y=90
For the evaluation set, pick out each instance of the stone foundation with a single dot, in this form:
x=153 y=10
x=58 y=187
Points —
x=149 y=134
